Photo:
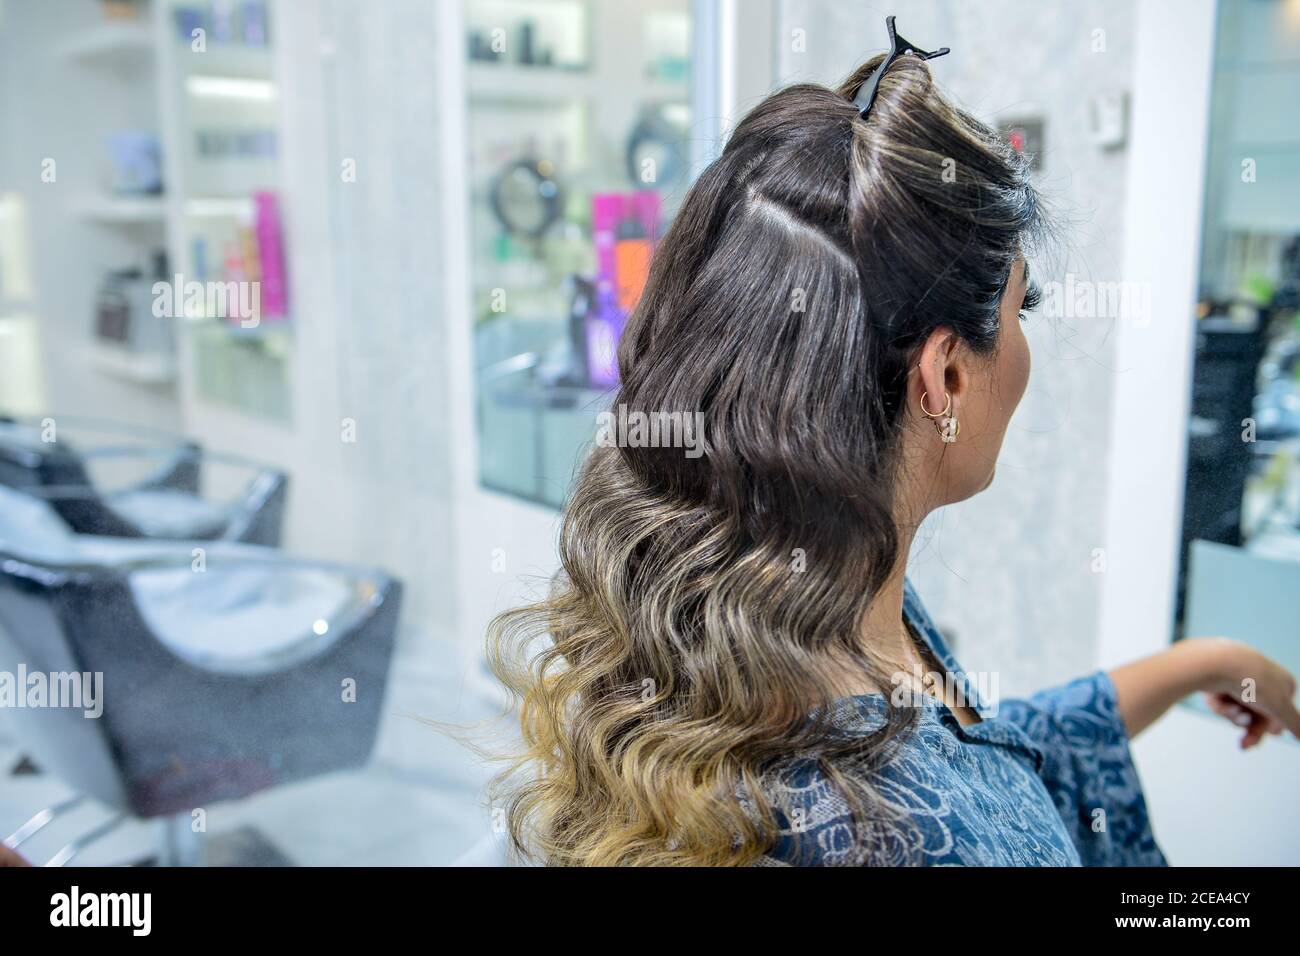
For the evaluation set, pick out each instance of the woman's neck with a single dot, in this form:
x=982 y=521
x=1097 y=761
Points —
x=883 y=635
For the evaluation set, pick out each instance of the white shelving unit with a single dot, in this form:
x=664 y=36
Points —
x=158 y=82
x=148 y=370
x=114 y=59
x=227 y=374
x=498 y=82
x=124 y=210
x=122 y=43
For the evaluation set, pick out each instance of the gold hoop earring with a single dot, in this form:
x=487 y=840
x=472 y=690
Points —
x=929 y=414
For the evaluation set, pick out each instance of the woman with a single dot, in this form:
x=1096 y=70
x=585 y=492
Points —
x=726 y=671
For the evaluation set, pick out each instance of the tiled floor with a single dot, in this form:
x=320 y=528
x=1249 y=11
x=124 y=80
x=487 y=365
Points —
x=419 y=802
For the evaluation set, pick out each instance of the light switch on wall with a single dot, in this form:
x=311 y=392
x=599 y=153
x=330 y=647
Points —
x=1108 y=120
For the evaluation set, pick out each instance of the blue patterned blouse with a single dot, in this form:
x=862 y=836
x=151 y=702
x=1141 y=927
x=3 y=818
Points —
x=1047 y=781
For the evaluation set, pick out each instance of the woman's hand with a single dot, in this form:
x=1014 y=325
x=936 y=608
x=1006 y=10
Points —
x=1254 y=692
x=1240 y=683
x=10 y=857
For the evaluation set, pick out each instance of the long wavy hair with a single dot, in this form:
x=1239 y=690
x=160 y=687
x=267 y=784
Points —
x=684 y=652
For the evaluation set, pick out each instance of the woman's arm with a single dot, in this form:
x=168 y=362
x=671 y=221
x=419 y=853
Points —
x=1241 y=684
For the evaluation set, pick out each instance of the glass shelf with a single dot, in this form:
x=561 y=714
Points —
x=227 y=202
x=248 y=374
x=576 y=166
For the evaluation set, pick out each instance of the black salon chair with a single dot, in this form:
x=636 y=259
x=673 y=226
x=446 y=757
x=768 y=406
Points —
x=165 y=495
x=222 y=676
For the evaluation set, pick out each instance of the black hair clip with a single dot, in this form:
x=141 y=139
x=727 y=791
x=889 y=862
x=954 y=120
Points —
x=897 y=47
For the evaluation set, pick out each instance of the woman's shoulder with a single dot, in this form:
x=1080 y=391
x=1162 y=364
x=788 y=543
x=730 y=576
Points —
x=935 y=801
x=809 y=797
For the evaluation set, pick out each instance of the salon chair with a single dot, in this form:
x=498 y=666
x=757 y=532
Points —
x=220 y=679
x=165 y=495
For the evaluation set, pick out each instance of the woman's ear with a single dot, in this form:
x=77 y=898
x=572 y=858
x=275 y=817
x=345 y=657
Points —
x=939 y=375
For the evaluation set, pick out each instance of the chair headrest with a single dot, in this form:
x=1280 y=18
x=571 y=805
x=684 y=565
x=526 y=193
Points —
x=29 y=526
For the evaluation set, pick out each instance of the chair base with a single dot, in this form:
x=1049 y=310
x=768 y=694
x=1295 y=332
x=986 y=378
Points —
x=243 y=846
